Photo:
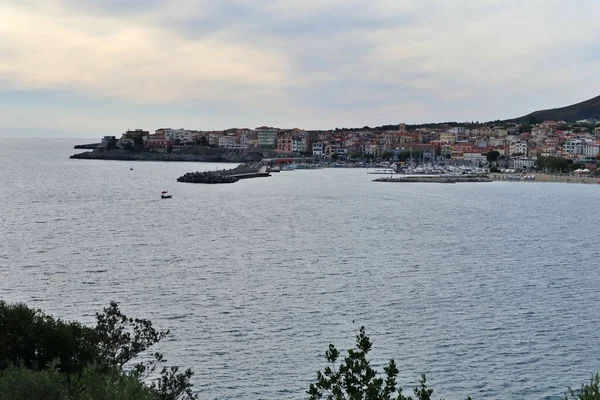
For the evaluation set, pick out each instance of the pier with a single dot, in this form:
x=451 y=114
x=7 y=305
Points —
x=225 y=176
x=435 y=179
x=539 y=177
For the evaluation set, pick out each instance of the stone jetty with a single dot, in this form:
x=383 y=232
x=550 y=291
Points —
x=206 y=177
x=435 y=179
x=244 y=171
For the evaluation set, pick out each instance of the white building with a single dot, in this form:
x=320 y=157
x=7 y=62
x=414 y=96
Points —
x=318 y=149
x=518 y=147
x=182 y=135
x=582 y=146
x=496 y=142
x=298 y=144
x=521 y=163
x=267 y=137
x=476 y=159
x=231 y=142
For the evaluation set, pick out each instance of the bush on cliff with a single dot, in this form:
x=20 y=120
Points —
x=65 y=358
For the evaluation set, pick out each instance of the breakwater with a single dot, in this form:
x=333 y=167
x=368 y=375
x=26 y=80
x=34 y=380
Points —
x=225 y=176
x=435 y=179
x=538 y=177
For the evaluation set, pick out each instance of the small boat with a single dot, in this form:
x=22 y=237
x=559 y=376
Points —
x=130 y=168
x=165 y=195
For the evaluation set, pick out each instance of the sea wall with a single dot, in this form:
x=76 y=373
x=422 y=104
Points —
x=435 y=179
x=539 y=177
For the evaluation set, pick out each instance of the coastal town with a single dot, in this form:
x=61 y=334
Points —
x=499 y=146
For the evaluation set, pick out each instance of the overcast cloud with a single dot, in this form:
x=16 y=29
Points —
x=95 y=67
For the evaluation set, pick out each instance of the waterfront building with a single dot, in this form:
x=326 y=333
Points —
x=521 y=163
x=284 y=143
x=180 y=135
x=266 y=137
x=137 y=136
x=318 y=149
x=475 y=159
x=457 y=150
x=158 y=141
x=299 y=144
x=213 y=137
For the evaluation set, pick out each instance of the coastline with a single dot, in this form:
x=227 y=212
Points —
x=210 y=155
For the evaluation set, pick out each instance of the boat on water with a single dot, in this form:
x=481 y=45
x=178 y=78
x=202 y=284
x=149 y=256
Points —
x=165 y=195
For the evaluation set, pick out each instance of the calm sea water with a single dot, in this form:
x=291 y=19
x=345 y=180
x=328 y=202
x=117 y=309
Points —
x=492 y=290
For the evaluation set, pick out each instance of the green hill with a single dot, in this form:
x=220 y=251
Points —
x=589 y=109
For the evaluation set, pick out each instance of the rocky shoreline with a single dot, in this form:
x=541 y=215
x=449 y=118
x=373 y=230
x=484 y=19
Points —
x=207 y=155
x=90 y=146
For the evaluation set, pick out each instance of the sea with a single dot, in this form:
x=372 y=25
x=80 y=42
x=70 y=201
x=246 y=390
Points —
x=490 y=289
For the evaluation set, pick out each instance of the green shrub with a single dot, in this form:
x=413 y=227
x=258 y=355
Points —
x=20 y=383
x=70 y=356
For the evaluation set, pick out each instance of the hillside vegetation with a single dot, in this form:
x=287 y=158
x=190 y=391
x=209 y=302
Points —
x=589 y=109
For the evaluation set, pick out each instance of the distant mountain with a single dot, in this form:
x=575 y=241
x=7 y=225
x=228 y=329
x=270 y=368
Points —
x=589 y=109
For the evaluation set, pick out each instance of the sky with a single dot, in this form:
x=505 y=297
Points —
x=87 y=68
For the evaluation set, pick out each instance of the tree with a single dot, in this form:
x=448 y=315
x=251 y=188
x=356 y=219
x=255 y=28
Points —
x=356 y=155
x=587 y=392
x=524 y=128
x=35 y=340
x=355 y=379
x=388 y=155
x=39 y=343
x=553 y=164
x=122 y=339
x=335 y=156
x=492 y=156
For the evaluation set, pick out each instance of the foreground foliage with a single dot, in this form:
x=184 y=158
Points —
x=45 y=358
x=353 y=378
x=587 y=392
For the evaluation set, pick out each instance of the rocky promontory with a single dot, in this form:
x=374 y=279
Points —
x=196 y=154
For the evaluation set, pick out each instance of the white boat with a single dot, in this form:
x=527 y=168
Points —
x=165 y=195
